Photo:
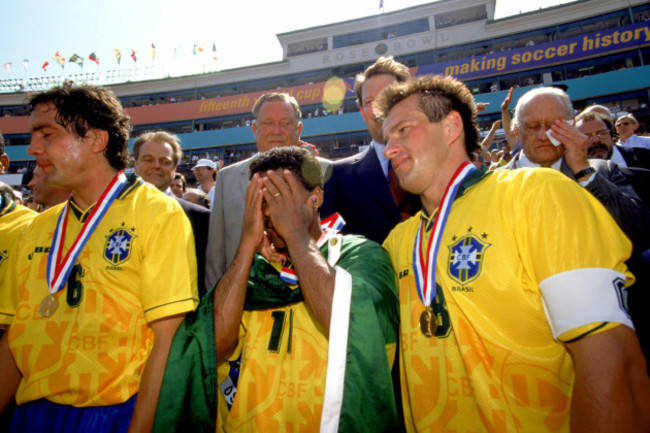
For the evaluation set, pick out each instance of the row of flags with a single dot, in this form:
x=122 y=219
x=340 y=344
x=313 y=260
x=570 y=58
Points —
x=75 y=58
x=8 y=65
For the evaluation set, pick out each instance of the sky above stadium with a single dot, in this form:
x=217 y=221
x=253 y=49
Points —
x=190 y=36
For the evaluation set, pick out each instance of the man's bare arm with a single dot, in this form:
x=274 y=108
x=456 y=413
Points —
x=611 y=392
x=506 y=120
x=317 y=279
x=9 y=374
x=293 y=215
x=230 y=294
x=489 y=138
x=152 y=376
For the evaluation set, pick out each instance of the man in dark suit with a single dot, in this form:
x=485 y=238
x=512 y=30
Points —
x=545 y=112
x=601 y=142
x=362 y=188
x=634 y=163
x=156 y=158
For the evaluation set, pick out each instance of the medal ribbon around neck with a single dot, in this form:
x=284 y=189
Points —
x=425 y=267
x=58 y=270
x=331 y=226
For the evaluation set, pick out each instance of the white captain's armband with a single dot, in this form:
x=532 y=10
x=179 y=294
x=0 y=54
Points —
x=583 y=296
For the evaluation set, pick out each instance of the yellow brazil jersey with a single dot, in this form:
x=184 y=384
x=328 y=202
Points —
x=283 y=366
x=283 y=375
x=493 y=364
x=14 y=218
x=138 y=266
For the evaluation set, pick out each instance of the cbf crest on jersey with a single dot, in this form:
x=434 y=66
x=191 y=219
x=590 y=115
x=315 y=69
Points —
x=117 y=248
x=466 y=258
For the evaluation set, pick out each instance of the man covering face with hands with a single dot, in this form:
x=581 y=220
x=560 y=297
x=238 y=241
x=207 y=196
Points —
x=316 y=308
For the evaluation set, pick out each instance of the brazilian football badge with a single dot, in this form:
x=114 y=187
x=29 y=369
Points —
x=117 y=248
x=58 y=270
x=466 y=258
x=424 y=267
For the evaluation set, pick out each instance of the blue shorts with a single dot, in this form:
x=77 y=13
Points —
x=45 y=416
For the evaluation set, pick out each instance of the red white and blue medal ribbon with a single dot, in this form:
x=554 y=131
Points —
x=424 y=267
x=331 y=226
x=288 y=275
x=58 y=270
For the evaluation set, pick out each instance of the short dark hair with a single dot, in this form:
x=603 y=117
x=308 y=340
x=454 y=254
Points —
x=587 y=116
x=182 y=178
x=299 y=160
x=85 y=107
x=437 y=96
x=159 y=137
x=382 y=66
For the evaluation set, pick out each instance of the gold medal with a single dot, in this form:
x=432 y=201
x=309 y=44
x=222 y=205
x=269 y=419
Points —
x=48 y=306
x=428 y=323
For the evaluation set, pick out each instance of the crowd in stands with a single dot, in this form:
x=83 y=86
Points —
x=436 y=278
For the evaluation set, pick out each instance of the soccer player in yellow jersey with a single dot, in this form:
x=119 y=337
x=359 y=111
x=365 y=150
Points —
x=314 y=321
x=100 y=292
x=512 y=285
x=13 y=220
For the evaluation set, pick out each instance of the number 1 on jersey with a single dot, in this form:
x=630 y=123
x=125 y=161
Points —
x=278 y=329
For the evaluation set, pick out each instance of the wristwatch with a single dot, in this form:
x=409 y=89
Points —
x=586 y=172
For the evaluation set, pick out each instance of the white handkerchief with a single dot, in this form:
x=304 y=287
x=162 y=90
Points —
x=554 y=140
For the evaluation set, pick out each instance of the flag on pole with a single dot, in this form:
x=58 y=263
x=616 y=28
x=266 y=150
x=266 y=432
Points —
x=153 y=51
x=25 y=63
x=93 y=58
x=381 y=4
x=8 y=67
x=60 y=60
x=133 y=55
x=118 y=55
x=197 y=49
x=45 y=65
x=76 y=59
x=214 y=52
